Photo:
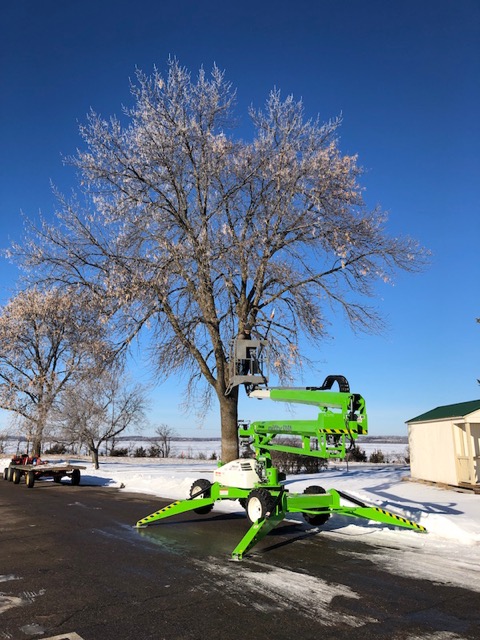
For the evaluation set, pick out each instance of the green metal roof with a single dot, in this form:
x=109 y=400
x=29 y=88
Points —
x=459 y=410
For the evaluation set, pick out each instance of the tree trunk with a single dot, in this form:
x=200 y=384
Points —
x=39 y=427
x=229 y=422
x=36 y=446
x=94 y=452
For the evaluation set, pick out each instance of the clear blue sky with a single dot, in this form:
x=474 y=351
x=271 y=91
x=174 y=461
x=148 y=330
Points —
x=405 y=75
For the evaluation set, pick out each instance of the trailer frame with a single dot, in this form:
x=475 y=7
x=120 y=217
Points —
x=32 y=472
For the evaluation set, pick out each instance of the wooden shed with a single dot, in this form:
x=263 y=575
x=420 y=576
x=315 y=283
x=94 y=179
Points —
x=445 y=445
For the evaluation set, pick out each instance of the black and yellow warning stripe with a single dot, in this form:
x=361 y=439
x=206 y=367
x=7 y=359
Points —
x=157 y=514
x=404 y=521
x=337 y=432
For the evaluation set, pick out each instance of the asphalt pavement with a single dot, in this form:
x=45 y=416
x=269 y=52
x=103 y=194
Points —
x=72 y=565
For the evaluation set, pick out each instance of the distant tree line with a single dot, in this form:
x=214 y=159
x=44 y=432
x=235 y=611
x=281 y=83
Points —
x=356 y=454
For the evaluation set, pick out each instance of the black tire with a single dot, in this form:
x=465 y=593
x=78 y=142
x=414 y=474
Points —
x=10 y=474
x=243 y=503
x=6 y=473
x=75 y=477
x=16 y=475
x=200 y=485
x=57 y=478
x=321 y=518
x=30 y=479
x=260 y=504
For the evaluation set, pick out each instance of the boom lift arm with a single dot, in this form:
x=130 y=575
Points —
x=341 y=419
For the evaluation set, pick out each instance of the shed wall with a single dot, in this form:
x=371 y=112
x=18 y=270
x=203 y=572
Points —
x=432 y=454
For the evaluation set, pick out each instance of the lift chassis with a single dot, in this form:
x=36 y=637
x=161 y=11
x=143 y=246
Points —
x=258 y=484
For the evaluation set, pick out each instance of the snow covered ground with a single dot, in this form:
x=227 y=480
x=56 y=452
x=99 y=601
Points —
x=448 y=554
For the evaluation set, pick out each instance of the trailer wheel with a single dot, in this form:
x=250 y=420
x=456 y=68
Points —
x=17 y=474
x=75 y=477
x=322 y=517
x=30 y=479
x=10 y=474
x=260 y=503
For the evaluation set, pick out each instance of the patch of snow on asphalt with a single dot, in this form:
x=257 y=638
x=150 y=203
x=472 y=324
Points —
x=278 y=589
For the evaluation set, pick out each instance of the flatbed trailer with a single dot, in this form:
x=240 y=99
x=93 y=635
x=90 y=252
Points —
x=32 y=472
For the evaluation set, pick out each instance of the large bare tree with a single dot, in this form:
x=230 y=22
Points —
x=48 y=341
x=99 y=409
x=183 y=226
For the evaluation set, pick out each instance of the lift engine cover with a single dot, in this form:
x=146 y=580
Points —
x=238 y=473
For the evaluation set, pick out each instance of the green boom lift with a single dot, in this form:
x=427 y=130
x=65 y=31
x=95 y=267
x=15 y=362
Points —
x=259 y=486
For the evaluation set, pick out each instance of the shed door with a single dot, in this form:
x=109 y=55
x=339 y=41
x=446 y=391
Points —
x=475 y=429
x=461 y=451
x=467 y=450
